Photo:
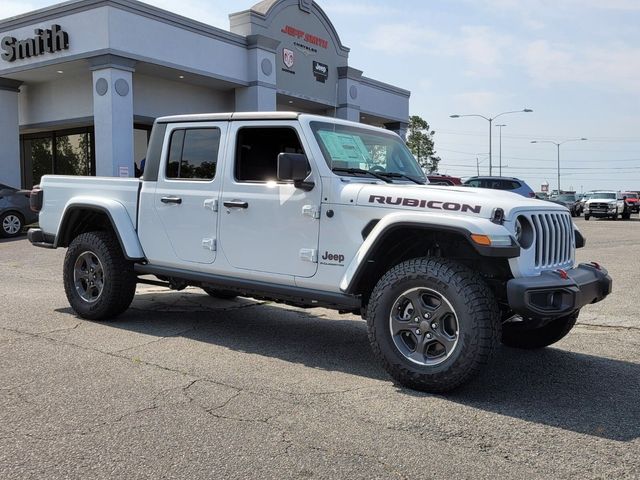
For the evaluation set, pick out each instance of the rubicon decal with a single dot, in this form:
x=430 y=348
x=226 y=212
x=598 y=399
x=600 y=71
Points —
x=432 y=204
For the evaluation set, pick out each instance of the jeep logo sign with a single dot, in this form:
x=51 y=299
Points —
x=320 y=71
x=45 y=41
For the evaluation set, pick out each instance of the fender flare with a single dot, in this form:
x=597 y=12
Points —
x=464 y=226
x=118 y=216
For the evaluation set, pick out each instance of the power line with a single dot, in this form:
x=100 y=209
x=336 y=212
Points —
x=544 y=137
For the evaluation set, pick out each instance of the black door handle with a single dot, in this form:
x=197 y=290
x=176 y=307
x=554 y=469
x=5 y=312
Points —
x=177 y=200
x=236 y=204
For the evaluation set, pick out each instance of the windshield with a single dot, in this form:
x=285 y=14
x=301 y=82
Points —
x=603 y=195
x=631 y=195
x=355 y=151
x=566 y=198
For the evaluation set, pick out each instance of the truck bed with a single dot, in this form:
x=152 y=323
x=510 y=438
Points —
x=60 y=190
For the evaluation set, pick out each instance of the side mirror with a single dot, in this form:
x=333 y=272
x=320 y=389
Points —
x=295 y=166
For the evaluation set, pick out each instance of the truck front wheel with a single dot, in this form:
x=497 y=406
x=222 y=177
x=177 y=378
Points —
x=99 y=281
x=432 y=323
x=517 y=335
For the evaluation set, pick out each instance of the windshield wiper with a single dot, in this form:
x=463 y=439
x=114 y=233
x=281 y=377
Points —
x=401 y=175
x=360 y=170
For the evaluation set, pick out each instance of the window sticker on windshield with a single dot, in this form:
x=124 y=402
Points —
x=345 y=147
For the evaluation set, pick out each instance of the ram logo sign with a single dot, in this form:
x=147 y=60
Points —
x=287 y=57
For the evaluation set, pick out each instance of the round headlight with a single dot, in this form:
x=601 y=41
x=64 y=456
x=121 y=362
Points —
x=524 y=232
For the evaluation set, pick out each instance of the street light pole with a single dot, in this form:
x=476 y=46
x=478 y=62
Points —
x=557 y=144
x=500 y=127
x=490 y=120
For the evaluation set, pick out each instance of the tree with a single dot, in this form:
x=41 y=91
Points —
x=420 y=142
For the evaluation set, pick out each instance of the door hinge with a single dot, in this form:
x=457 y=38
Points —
x=311 y=211
x=209 y=244
x=309 y=255
x=211 y=204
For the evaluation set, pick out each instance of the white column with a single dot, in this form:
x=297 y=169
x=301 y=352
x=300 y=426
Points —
x=113 y=116
x=348 y=107
x=9 y=134
x=260 y=94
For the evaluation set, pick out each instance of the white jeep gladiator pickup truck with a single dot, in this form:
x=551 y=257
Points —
x=313 y=211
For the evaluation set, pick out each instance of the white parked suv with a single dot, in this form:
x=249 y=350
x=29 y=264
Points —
x=313 y=211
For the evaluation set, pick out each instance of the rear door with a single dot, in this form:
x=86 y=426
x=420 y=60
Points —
x=188 y=190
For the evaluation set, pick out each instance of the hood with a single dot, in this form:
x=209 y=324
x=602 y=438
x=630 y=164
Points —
x=479 y=202
x=601 y=200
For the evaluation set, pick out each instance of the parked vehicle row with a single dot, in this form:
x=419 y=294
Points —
x=607 y=204
x=597 y=203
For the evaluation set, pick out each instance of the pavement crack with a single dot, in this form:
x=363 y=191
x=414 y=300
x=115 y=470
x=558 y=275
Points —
x=617 y=328
x=156 y=340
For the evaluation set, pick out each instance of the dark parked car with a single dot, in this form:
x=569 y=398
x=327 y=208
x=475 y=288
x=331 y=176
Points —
x=570 y=201
x=14 y=211
x=511 y=184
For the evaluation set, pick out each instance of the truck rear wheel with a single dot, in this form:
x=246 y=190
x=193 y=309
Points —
x=99 y=281
x=432 y=323
x=516 y=335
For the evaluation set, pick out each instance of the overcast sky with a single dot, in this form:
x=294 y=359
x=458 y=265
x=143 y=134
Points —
x=576 y=63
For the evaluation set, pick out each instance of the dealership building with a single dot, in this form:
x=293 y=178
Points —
x=81 y=82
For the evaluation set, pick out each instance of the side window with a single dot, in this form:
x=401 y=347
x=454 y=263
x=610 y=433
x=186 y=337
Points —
x=257 y=151
x=473 y=183
x=193 y=154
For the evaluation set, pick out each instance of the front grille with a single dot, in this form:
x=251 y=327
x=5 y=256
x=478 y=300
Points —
x=598 y=206
x=554 y=239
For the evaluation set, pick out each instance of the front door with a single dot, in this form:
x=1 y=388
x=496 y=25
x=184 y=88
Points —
x=267 y=225
x=188 y=190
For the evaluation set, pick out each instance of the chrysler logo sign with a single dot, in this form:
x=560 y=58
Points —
x=320 y=71
x=46 y=41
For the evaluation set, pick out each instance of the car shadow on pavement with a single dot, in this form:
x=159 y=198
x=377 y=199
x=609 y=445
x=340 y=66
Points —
x=573 y=391
x=22 y=236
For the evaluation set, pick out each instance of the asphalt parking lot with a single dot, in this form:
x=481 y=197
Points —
x=184 y=386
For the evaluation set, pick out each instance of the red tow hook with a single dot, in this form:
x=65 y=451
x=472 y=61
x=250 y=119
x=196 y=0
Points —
x=563 y=274
x=596 y=265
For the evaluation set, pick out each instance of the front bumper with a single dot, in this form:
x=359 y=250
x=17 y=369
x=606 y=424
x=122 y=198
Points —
x=601 y=213
x=550 y=295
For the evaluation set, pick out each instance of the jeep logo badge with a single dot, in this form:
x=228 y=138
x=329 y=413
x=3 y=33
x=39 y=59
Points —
x=320 y=71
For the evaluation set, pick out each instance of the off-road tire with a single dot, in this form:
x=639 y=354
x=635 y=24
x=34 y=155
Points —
x=587 y=217
x=477 y=318
x=222 y=294
x=119 y=279
x=12 y=221
x=516 y=335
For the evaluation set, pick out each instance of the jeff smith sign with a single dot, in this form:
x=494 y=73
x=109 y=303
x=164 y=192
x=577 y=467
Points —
x=46 y=41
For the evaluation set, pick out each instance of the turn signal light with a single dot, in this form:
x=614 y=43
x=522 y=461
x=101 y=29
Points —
x=481 y=239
